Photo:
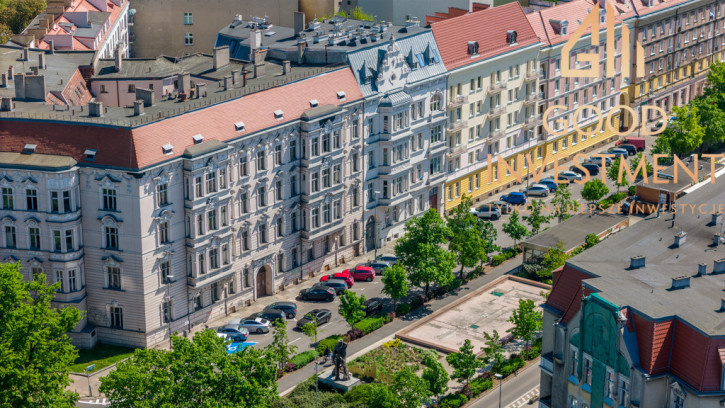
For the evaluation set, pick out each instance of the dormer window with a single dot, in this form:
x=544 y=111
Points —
x=90 y=155
x=564 y=28
x=314 y=103
x=167 y=149
x=650 y=3
x=511 y=37
x=472 y=48
x=198 y=139
x=29 y=149
x=278 y=114
x=239 y=126
x=602 y=16
x=341 y=95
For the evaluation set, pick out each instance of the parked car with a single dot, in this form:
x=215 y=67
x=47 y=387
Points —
x=344 y=275
x=637 y=142
x=487 y=211
x=288 y=308
x=321 y=315
x=592 y=168
x=339 y=285
x=503 y=206
x=256 y=325
x=550 y=183
x=379 y=266
x=657 y=126
x=631 y=149
x=373 y=306
x=391 y=259
x=617 y=152
x=569 y=175
x=537 y=190
x=318 y=292
x=271 y=315
x=234 y=332
x=363 y=273
x=514 y=198
x=598 y=160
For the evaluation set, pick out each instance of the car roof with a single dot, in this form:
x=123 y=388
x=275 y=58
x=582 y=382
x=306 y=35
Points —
x=337 y=281
x=283 y=304
x=371 y=300
x=538 y=186
x=363 y=268
x=516 y=193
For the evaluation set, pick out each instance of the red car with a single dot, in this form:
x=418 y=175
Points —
x=363 y=273
x=344 y=275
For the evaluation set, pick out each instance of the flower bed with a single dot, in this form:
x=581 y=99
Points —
x=383 y=362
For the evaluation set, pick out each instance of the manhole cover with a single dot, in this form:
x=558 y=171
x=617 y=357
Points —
x=497 y=293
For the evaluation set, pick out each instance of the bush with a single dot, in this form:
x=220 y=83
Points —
x=455 y=284
x=354 y=334
x=504 y=256
x=371 y=324
x=479 y=385
x=509 y=366
x=289 y=367
x=359 y=394
x=402 y=309
x=329 y=341
x=604 y=204
x=304 y=358
x=616 y=197
x=631 y=190
x=577 y=251
x=452 y=401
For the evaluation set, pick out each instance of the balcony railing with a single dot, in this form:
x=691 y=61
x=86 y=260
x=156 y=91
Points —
x=496 y=110
x=533 y=75
x=496 y=87
x=457 y=101
x=457 y=125
x=532 y=121
x=497 y=134
x=533 y=98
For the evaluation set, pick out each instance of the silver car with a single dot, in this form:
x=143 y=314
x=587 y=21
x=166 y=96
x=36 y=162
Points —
x=256 y=325
x=569 y=175
x=234 y=332
x=537 y=190
x=490 y=211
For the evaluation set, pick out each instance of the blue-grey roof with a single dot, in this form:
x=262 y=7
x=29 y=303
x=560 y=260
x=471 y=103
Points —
x=395 y=99
x=421 y=54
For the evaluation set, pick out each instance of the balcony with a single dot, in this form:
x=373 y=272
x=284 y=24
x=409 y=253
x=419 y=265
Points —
x=497 y=134
x=454 y=150
x=457 y=101
x=496 y=111
x=532 y=121
x=496 y=88
x=457 y=125
x=547 y=363
x=533 y=98
x=533 y=75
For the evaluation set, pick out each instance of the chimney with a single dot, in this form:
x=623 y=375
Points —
x=636 y=262
x=25 y=54
x=95 y=109
x=258 y=70
x=286 y=67
x=719 y=266
x=716 y=240
x=184 y=82
x=236 y=77
x=41 y=60
x=51 y=47
x=701 y=269
x=301 y=45
x=138 y=108
x=4 y=80
x=255 y=42
x=221 y=57
x=34 y=70
x=118 y=58
x=200 y=90
x=6 y=104
x=680 y=239
x=19 y=86
x=145 y=95
x=717 y=218
x=299 y=18
x=11 y=73
x=680 y=282
x=244 y=77
x=227 y=82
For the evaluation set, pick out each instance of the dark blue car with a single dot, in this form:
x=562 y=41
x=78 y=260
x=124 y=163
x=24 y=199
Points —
x=514 y=198
x=549 y=182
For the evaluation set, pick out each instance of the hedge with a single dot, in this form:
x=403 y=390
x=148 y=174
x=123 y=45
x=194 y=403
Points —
x=479 y=385
x=402 y=309
x=497 y=260
x=370 y=324
x=328 y=341
x=452 y=401
x=304 y=358
x=509 y=366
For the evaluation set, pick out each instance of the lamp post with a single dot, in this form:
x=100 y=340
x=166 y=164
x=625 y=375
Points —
x=168 y=306
x=88 y=377
x=499 y=377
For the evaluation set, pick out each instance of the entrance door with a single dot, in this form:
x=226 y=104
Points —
x=434 y=198
x=370 y=235
x=262 y=282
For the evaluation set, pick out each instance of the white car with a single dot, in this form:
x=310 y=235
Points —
x=256 y=325
x=569 y=175
x=490 y=211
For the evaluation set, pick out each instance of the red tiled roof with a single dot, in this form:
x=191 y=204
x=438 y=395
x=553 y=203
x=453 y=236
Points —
x=567 y=288
x=689 y=354
x=642 y=9
x=488 y=28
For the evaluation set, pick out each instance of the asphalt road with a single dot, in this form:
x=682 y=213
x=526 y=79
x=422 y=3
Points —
x=513 y=390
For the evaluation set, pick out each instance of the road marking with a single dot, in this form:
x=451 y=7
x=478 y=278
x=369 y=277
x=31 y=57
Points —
x=524 y=399
x=294 y=340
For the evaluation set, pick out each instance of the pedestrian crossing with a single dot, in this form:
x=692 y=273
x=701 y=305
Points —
x=93 y=403
x=524 y=399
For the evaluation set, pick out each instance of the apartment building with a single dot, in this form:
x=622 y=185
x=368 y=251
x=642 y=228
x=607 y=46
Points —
x=642 y=328
x=493 y=99
x=159 y=217
x=79 y=25
x=680 y=40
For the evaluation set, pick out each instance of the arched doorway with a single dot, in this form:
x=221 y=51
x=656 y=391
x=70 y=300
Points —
x=263 y=281
x=370 y=234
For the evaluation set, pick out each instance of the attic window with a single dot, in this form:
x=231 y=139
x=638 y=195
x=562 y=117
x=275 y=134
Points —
x=602 y=16
x=314 y=103
x=239 y=126
x=198 y=139
x=167 y=148
x=564 y=28
x=29 y=149
x=511 y=37
x=472 y=48
x=341 y=95
x=90 y=155
x=278 y=114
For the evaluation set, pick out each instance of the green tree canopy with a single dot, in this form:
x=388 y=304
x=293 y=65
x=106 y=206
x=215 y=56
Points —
x=594 y=190
x=412 y=390
x=464 y=362
x=467 y=241
x=712 y=119
x=382 y=396
x=536 y=217
x=311 y=330
x=489 y=234
x=280 y=347
x=514 y=228
x=17 y=14
x=563 y=204
x=395 y=283
x=684 y=131
x=435 y=375
x=527 y=321
x=35 y=351
x=352 y=307
x=613 y=173
x=196 y=373
x=493 y=350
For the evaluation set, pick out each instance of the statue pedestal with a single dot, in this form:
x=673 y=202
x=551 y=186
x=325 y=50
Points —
x=328 y=379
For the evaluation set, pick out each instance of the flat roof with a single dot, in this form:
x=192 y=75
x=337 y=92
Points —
x=199 y=65
x=648 y=289
x=573 y=231
x=36 y=161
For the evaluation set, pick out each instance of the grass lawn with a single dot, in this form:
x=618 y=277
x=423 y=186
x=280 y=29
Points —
x=102 y=356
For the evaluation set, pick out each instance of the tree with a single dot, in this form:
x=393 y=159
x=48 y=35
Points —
x=435 y=375
x=395 y=283
x=590 y=240
x=662 y=147
x=352 y=307
x=311 y=330
x=553 y=259
x=35 y=351
x=536 y=217
x=412 y=390
x=594 y=190
x=17 y=14
x=613 y=173
x=464 y=362
x=527 y=321
x=716 y=80
x=489 y=234
x=563 y=204
x=420 y=251
x=684 y=131
x=634 y=164
x=514 y=228
x=467 y=240
x=196 y=373
x=280 y=347
x=493 y=350
x=712 y=119
x=382 y=396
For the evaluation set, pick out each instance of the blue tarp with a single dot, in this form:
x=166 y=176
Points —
x=234 y=347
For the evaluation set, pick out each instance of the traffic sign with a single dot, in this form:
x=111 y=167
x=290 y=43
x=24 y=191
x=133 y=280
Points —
x=90 y=367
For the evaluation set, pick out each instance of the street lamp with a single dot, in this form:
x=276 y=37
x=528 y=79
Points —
x=168 y=306
x=499 y=377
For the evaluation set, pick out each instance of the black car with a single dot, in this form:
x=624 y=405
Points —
x=288 y=308
x=339 y=285
x=592 y=168
x=503 y=206
x=271 y=315
x=373 y=306
x=318 y=293
x=631 y=149
x=321 y=315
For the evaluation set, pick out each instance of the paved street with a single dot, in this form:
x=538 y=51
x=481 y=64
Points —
x=515 y=392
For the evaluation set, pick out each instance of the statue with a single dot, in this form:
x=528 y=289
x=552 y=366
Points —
x=339 y=353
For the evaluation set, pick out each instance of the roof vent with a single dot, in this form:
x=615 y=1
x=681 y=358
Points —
x=680 y=282
x=680 y=239
x=511 y=37
x=198 y=139
x=636 y=262
x=716 y=240
x=239 y=126
x=701 y=269
x=314 y=103
x=278 y=114
x=90 y=155
x=722 y=305
x=719 y=266
x=167 y=148
x=29 y=149
x=341 y=95
x=716 y=219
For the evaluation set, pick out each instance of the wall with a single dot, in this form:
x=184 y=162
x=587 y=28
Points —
x=318 y=8
x=398 y=11
x=159 y=24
